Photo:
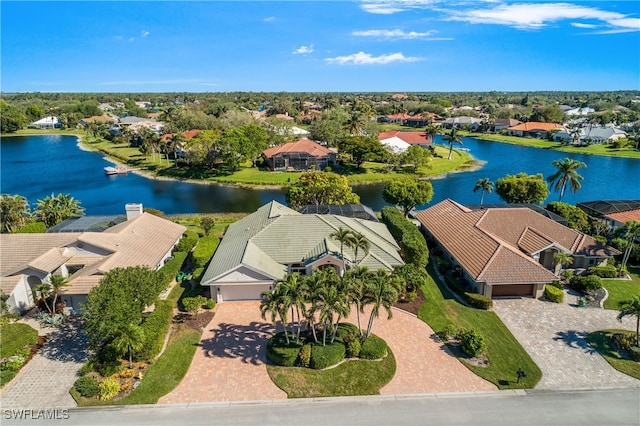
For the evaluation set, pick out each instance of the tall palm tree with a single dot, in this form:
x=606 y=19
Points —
x=631 y=308
x=562 y=258
x=129 y=339
x=354 y=123
x=356 y=280
x=357 y=241
x=275 y=303
x=312 y=287
x=452 y=138
x=485 y=185
x=631 y=231
x=432 y=130
x=293 y=286
x=58 y=282
x=566 y=173
x=381 y=293
x=343 y=236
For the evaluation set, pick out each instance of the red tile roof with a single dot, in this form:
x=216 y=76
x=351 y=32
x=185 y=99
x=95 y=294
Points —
x=624 y=217
x=303 y=145
x=409 y=137
x=535 y=125
x=188 y=135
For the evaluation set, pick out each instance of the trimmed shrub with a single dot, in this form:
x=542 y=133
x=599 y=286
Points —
x=203 y=252
x=352 y=343
x=344 y=330
x=187 y=242
x=412 y=244
x=109 y=388
x=624 y=341
x=281 y=353
x=172 y=267
x=87 y=386
x=373 y=347
x=557 y=284
x=634 y=353
x=155 y=328
x=210 y=304
x=585 y=284
x=479 y=301
x=197 y=274
x=472 y=342
x=553 y=293
x=326 y=356
x=603 y=271
x=305 y=356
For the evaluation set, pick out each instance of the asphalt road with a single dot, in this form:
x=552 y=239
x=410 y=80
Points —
x=590 y=407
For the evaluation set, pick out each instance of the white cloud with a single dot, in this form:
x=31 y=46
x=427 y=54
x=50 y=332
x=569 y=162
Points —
x=131 y=39
x=269 y=19
x=144 y=33
x=362 y=58
x=581 y=25
x=397 y=34
x=539 y=15
x=303 y=50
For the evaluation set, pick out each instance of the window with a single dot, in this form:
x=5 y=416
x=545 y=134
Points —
x=298 y=267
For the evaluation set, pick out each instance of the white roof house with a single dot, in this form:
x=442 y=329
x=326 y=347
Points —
x=395 y=145
x=45 y=123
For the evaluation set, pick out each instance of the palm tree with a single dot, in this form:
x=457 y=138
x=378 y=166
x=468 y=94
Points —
x=381 y=293
x=42 y=293
x=313 y=285
x=566 y=173
x=562 y=258
x=344 y=237
x=631 y=231
x=357 y=241
x=432 y=130
x=14 y=212
x=292 y=285
x=130 y=339
x=275 y=303
x=354 y=123
x=57 y=283
x=631 y=308
x=356 y=280
x=452 y=138
x=485 y=185
x=54 y=209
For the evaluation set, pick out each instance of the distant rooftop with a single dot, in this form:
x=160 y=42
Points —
x=87 y=224
x=536 y=208
x=604 y=207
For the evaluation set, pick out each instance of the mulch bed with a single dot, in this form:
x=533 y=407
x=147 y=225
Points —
x=198 y=324
x=412 y=306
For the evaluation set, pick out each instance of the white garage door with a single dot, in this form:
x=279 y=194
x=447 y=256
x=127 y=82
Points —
x=242 y=292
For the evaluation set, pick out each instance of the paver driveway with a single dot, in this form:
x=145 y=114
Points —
x=554 y=335
x=45 y=381
x=230 y=365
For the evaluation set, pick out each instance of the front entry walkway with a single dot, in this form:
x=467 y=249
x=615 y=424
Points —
x=554 y=336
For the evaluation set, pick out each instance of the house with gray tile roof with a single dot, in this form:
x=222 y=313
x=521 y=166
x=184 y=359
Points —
x=507 y=251
x=592 y=134
x=275 y=240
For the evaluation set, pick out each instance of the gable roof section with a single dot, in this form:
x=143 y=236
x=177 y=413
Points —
x=412 y=138
x=18 y=250
x=535 y=125
x=275 y=235
x=625 y=216
x=303 y=145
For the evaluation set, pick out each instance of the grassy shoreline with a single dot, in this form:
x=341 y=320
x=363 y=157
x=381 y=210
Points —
x=599 y=150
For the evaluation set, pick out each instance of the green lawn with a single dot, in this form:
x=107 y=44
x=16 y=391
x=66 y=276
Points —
x=603 y=150
x=349 y=378
x=600 y=341
x=13 y=337
x=505 y=354
x=161 y=377
x=620 y=290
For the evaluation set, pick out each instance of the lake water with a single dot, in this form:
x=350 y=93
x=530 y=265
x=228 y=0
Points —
x=37 y=166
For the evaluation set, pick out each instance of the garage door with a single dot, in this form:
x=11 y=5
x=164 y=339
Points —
x=242 y=292
x=513 y=290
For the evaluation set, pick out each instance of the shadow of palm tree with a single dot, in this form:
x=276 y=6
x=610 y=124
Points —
x=67 y=344
x=248 y=342
x=575 y=339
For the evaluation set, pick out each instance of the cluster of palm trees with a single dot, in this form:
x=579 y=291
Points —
x=50 y=290
x=15 y=211
x=354 y=240
x=318 y=302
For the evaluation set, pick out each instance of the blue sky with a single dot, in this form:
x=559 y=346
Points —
x=410 y=45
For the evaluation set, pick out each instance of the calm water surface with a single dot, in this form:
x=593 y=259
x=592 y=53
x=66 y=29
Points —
x=36 y=166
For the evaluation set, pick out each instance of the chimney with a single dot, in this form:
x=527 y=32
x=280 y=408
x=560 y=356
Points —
x=133 y=210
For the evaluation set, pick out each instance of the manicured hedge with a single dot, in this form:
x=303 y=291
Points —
x=471 y=342
x=553 y=293
x=411 y=242
x=172 y=267
x=155 y=328
x=373 y=347
x=204 y=251
x=282 y=354
x=326 y=356
x=585 y=284
x=603 y=271
x=188 y=241
x=479 y=301
x=344 y=329
x=197 y=274
x=87 y=386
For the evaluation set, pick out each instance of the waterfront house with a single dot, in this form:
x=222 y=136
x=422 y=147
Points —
x=471 y=123
x=507 y=251
x=612 y=212
x=500 y=124
x=303 y=154
x=591 y=135
x=533 y=129
x=399 y=141
x=50 y=122
x=27 y=260
x=275 y=240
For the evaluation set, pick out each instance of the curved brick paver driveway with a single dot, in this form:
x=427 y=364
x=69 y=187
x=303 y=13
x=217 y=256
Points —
x=45 y=381
x=423 y=364
x=230 y=364
x=554 y=335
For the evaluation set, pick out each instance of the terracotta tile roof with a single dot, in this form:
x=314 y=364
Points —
x=491 y=245
x=624 y=217
x=98 y=119
x=413 y=138
x=535 y=125
x=303 y=145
